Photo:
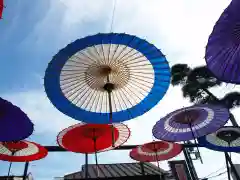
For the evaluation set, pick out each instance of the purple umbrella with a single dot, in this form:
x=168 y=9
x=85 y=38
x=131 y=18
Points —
x=223 y=50
x=190 y=123
x=14 y=123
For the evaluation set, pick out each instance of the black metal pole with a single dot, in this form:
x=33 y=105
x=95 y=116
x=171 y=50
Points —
x=25 y=170
x=142 y=168
x=190 y=125
x=10 y=165
x=9 y=169
x=228 y=170
x=124 y=147
x=95 y=150
x=232 y=166
x=86 y=166
x=189 y=164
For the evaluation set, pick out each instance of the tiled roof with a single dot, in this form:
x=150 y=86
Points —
x=115 y=170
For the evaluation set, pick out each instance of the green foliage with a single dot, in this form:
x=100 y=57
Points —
x=196 y=82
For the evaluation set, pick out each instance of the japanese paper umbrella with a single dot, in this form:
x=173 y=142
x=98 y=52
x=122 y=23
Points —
x=92 y=138
x=222 y=51
x=21 y=151
x=156 y=151
x=226 y=139
x=1 y=8
x=191 y=122
x=14 y=123
x=107 y=78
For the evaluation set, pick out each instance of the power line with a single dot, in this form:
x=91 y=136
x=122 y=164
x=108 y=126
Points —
x=214 y=172
x=217 y=175
x=113 y=14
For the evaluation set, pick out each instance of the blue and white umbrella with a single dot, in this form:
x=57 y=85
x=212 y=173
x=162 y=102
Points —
x=226 y=139
x=107 y=78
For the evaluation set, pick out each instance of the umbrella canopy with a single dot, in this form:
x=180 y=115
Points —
x=156 y=151
x=190 y=122
x=226 y=139
x=223 y=52
x=22 y=151
x=91 y=138
x=14 y=123
x=1 y=8
x=81 y=76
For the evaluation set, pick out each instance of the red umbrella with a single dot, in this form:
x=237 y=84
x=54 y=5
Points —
x=21 y=151
x=91 y=138
x=156 y=151
x=1 y=8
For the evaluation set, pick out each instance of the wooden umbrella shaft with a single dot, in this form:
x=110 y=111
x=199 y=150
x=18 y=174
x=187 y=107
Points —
x=110 y=112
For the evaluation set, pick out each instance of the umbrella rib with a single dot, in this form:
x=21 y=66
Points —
x=139 y=89
x=136 y=77
x=93 y=102
x=102 y=102
x=97 y=58
x=92 y=60
x=81 y=62
x=104 y=60
x=125 y=104
x=89 y=98
x=99 y=97
x=121 y=108
x=76 y=92
x=125 y=95
x=72 y=82
x=123 y=49
x=70 y=77
x=86 y=91
x=134 y=93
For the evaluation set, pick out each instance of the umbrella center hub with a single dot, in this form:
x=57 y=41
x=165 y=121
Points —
x=104 y=70
x=108 y=87
x=94 y=133
x=15 y=146
x=187 y=116
x=228 y=135
x=97 y=75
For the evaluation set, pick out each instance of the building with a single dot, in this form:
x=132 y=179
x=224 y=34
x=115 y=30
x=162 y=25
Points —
x=121 y=171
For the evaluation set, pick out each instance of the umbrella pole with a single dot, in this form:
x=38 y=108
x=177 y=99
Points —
x=95 y=151
x=142 y=168
x=190 y=165
x=25 y=170
x=228 y=171
x=232 y=166
x=155 y=149
x=109 y=91
x=86 y=166
x=195 y=141
x=9 y=169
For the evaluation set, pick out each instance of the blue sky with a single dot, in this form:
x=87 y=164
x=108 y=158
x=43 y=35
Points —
x=34 y=31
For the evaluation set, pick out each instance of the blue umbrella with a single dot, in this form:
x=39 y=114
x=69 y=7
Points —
x=226 y=139
x=107 y=78
x=14 y=123
x=222 y=51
